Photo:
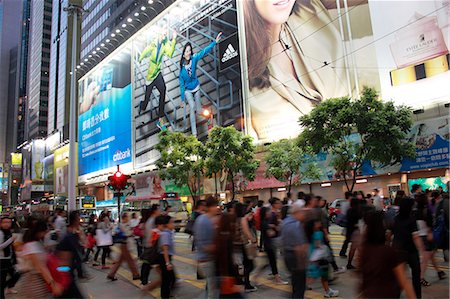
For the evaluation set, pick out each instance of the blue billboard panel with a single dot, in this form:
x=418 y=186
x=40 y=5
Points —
x=104 y=123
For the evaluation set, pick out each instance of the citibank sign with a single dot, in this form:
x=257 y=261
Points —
x=119 y=155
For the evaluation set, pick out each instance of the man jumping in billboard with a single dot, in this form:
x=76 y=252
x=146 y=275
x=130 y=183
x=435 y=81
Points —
x=155 y=51
x=189 y=84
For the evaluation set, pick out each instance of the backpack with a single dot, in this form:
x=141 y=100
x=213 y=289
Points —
x=138 y=231
x=60 y=274
x=439 y=229
x=151 y=254
x=257 y=219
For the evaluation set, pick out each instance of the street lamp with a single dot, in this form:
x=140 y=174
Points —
x=75 y=11
x=207 y=114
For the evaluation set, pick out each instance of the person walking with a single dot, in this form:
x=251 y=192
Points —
x=103 y=235
x=407 y=241
x=148 y=220
x=69 y=250
x=6 y=258
x=204 y=233
x=189 y=84
x=425 y=221
x=318 y=265
x=137 y=232
x=223 y=257
x=167 y=250
x=295 y=248
x=36 y=274
x=382 y=271
x=125 y=255
x=242 y=237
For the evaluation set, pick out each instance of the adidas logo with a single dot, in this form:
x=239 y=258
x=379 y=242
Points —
x=230 y=53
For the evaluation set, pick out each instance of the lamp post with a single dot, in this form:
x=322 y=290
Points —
x=208 y=114
x=75 y=11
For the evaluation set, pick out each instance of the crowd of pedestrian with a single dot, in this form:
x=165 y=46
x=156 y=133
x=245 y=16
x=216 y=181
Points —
x=382 y=240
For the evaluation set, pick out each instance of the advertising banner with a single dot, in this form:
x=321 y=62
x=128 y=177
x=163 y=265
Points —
x=179 y=70
x=299 y=53
x=430 y=183
x=25 y=186
x=16 y=160
x=61 y=170
x=412 y=50
x=432 y=140
x=104 y=123
x=37 y=157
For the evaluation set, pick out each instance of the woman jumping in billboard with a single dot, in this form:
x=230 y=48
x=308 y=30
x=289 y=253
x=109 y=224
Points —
x=189 y=84
x=292 y=50
x=157 y=49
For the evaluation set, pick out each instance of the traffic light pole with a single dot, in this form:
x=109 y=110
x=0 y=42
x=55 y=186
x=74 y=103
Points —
x=118 y=194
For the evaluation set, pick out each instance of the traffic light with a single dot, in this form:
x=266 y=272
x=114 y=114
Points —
x=118 y=181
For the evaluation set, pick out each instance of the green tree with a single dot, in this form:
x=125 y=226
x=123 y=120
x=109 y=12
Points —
x=285 y=159
x=380 y=127
x=182 y=160
x=232 y=153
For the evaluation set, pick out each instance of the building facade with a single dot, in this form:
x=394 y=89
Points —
x=39 y=68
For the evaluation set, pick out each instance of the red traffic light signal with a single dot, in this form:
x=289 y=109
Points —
x=118 y=181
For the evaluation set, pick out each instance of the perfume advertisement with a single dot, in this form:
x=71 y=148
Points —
x=37 y=157
x=412 y=50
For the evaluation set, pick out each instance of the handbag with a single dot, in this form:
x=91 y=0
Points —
x=189 y=229
x=251 y=250
x=103 y=238
x=119 y=236
x=59 y=275
x=319 y=254
x=151 y=254
x=228 y=285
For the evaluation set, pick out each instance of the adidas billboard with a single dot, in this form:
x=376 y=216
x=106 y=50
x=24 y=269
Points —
x=228 y=51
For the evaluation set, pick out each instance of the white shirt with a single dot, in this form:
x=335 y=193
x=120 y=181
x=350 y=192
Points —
x=378 y=203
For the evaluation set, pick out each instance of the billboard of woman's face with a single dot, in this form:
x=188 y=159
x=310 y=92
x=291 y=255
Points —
x=296 y=59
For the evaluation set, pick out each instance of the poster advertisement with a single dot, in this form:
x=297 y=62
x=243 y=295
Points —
x=298 y=54
x=37 y=157
x=413 y=50
x=179 y=70
x=61 y=170
x=25 y=186
x=432 y=140
x=104 y=122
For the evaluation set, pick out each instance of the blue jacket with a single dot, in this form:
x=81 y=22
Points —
x=191 y=82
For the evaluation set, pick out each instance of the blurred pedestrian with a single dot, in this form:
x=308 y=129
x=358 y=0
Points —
x=36 y=276
x=352 y=232
x=69 y=251
x=257 y=221
x=295 y=247
x=377 y=200
x=407 y=241
x=243 y=242
x=148 y=219
x=319 y=257
x=125 y=255
x=60 y=223
x=224 y=263
x=382 y=271
x=103 y=238
x=137 y=232
x=270 y=227
x=6 y=258
x=167 y=250
x=204 y=233
x=90 y=244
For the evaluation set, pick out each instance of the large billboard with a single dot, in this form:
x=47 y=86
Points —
x=104 y=123
x=61 y=170
x=413 y=50
x=185 y=61
x=182 y=66
x=299 y=53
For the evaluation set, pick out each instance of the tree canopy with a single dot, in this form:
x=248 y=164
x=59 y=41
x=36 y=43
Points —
x=380 y=127
x=182 y=160
x=285 y=159
x=230 y=152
